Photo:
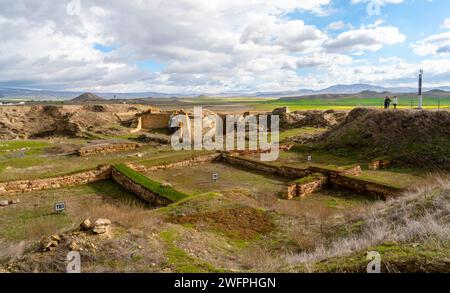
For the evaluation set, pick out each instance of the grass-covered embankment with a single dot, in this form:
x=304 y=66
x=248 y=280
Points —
x=151 y=185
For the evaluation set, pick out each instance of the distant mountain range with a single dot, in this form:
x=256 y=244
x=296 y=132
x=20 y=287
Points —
x=366 y=89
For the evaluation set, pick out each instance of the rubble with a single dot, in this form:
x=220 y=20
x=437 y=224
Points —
x=102 y=226
x=86 y=225
x=73 y=246
x=49 y=243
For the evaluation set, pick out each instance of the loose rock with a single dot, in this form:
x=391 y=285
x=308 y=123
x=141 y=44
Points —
x=4 y=203
x=102 y=226
x=47 y=244
x=86 y=225
x=73 y=246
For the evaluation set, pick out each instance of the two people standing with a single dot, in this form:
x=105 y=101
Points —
x=388 y=101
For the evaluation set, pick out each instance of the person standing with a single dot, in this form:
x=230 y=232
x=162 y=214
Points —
x=387 y=102
x=395 y=102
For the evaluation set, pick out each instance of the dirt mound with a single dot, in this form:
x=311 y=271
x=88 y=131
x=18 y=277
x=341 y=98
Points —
x=415 y=138
x=51 y=120
x=238 y=223
x=95 y=108
x=87 y=97
x=319 y=119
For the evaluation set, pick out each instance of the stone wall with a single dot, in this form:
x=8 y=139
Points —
x=344 y=178
x=107 y=148
x=309 y=187
x=378 y=164
x=281 y=147
x=290 y=190
x=139 y=190
x=253 y=165
x=101 y=173
x=191 y=162
x=366 y=188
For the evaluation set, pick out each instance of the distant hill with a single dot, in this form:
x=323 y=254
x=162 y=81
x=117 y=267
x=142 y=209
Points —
x=370 y=94
x=87 y=97
x=341 y=90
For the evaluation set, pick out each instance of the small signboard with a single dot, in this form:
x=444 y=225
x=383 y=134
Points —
x=309 y=158
x=59 y=207
x=215 y=176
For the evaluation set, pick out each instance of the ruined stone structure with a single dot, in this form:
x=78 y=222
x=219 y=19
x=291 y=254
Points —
x=139 y=190
x=313 y=178
x=185 y=163
x=381 y=163
x=105 y=148
x=23 y=186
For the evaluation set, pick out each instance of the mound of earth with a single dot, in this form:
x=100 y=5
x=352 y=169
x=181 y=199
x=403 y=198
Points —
x=319 y=119
x=51 y=120
x=414 y=138
x=88 y=97
x=237 y=223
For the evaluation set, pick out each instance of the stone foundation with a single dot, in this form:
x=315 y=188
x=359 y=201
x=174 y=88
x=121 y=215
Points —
x=139 y=190
x=378 y=164
x=107 y=148
x=290 y=191
x=310 y=184
x=367 y=188
x=185 y=163
x=101 y=173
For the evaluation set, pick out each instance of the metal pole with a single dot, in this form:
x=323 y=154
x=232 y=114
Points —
x=420 y=90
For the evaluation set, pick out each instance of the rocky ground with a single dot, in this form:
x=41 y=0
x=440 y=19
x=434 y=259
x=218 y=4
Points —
x=69 y=121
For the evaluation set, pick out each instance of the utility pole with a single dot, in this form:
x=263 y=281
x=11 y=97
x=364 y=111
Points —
x=420 y=89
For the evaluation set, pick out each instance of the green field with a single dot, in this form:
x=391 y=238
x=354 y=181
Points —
x=348 y=103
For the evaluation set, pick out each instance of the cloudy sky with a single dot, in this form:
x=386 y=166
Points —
x=196 y=46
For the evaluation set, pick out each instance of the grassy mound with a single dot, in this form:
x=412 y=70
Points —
x=411 y=233
x=153 y=186
x=415 y=138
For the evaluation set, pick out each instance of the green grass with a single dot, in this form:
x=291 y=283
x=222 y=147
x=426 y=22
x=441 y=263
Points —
x=394 y=257
x=309 y=179
x=10 y=145
x=153 y=186
x=347 y=103
x=300 y=132
x=180 y=261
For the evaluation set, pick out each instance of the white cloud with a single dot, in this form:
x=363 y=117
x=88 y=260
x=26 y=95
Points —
x=433 y=45
x=337 y=25
x=205 y=46
x=446 y=24
x=367 y=38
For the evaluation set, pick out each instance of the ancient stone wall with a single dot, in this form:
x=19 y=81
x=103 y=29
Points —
x=191 y=162
x=101 y=173
x=345 y=178
x=363 y=187
x=311 y=186
x=378 y=164
x=155 y=120
x=253 y=165
x=105 y=148
x=290 y=190
x=139 y=190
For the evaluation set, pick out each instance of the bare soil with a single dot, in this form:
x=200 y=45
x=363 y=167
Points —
x=237 y=223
